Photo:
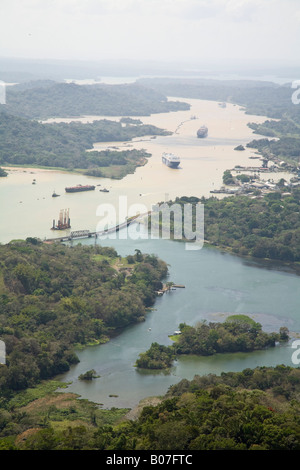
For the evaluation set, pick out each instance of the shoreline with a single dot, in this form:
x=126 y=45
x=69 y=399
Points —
x=40 y=168
x=146 y=185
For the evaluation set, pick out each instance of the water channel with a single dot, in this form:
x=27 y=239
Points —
x=216 y=284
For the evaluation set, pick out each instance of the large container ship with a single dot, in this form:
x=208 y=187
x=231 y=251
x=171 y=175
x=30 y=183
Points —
x=202 y=132
x=170 y=160
x=79 y=187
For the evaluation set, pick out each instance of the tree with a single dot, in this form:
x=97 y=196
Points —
x=228 y=178
x=88 y=375
x=138 y=255
x=284 y=333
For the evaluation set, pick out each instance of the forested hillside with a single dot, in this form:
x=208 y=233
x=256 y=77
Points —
x=261 y=227
x=26 y=142
x=42 y=100
x=54 y=297
x=258 y=97
x=256 y=409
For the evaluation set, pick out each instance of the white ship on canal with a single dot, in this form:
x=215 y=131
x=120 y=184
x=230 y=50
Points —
x=170 y=160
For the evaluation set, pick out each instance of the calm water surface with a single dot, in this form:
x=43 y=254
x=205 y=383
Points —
x=216 y=284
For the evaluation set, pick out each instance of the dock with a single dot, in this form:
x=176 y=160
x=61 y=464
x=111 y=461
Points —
x=167 y=288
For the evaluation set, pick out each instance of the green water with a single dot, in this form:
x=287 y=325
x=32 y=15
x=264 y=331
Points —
x=216 y=284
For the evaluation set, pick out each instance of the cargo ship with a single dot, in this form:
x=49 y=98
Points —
x=202 y=132
x=170 y=160
x=78 y=188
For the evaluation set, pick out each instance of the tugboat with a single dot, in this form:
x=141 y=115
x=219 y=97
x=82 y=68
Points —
x=170 y=160
x=202 y=132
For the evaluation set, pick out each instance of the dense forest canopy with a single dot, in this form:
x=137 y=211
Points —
x=260 y=226
x=42 y=100
x=26 y=142
x=239 y=333
x=54 y=297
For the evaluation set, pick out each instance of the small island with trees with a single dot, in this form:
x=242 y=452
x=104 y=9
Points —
x=89 y=375
x=239 y=333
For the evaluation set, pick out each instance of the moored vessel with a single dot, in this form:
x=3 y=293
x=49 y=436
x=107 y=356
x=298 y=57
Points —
x=202 y=132
x=79 y=188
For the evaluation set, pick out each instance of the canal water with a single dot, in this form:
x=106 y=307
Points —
x=216 y=284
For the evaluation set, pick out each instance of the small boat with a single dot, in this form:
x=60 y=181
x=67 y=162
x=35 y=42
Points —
x=104 y=190
x=55 y=195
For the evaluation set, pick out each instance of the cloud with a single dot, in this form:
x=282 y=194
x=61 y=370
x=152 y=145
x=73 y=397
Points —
x=150 y=29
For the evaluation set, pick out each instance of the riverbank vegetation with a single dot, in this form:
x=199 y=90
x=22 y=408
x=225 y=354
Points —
x=265 y=227
x=238 y=333
x=54 y=298
x=256 y=409
x=25 y=142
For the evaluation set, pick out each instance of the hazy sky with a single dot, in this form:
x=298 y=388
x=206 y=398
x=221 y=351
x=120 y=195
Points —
x=151 y=29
